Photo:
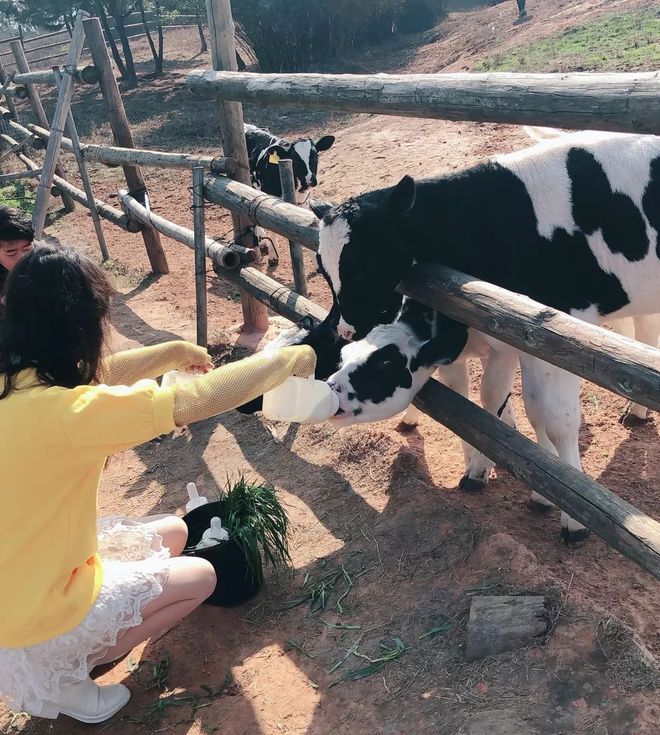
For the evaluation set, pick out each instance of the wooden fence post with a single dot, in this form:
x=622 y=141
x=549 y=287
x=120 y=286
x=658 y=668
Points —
x=59 y=120
x=200 y=254
x=223 y=53
x=123 y=137
x=10 y=100
x=72 y=130
x=289 y=195
x=38 y=109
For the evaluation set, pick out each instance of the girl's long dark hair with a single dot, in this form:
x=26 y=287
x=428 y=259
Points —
x=56 y=305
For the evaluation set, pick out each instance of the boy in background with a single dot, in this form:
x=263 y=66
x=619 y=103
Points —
x=16 y=239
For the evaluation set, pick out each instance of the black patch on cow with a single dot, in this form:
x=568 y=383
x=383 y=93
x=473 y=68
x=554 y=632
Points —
x=651 y=201
x=450 y=340
x=380 y=375
x=597 y=207
x=500 y=410
x=480 y=221
x=421 y=319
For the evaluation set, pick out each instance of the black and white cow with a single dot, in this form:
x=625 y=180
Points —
x=572 y=223
x=264 y=152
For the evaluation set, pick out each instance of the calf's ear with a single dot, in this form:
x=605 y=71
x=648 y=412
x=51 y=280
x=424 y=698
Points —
x=325 y=143
x=319 y=207
x=402 y=197
x=443 y=349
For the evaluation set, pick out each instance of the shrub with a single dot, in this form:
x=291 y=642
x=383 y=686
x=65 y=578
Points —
x=296 y=35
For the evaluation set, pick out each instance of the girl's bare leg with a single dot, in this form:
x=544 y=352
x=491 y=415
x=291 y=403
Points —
x=190 y=582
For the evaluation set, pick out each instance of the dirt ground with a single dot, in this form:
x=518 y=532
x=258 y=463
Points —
x=380 y=506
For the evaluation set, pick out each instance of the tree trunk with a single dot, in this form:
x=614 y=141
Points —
x=130 y=78
x=152 y=46
x=161 y=45
x=203 y=48
x=100 y=8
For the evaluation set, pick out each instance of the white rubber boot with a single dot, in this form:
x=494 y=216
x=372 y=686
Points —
x=88 y=702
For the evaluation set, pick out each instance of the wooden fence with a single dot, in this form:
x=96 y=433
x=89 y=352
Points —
x=610 y=102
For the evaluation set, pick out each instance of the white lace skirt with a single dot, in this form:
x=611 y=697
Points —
x=135 y=568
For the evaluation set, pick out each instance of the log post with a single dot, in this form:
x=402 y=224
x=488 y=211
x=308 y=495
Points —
x=622 y=102
x=106 y=211
x=59 y=120
x=223 y=54
x=10 y=100
x=38 y=109
x=200 y=255
x=622 y=365
x=294 y=223
x=123 y=137
x=289 y=195
x=619 y=524
x=72 y=130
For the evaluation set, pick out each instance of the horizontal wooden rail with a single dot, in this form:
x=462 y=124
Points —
x=279 y=298
x=619 y=524
x=115 y=216
x=18 y=175
x=294 y=223
x=84 y=74
x=624 y=102
x=220 y=253
x=117 y=156
x=617 y=363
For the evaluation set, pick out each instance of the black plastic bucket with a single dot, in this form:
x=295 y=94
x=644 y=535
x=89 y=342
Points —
x=237 y=583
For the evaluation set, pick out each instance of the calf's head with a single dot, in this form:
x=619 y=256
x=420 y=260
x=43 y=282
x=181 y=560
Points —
x=380 y=375
x=363 y=253
x=304 y=155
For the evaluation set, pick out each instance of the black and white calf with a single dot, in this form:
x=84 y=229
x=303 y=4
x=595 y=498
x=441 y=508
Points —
x=265 y=150
x=572 y=223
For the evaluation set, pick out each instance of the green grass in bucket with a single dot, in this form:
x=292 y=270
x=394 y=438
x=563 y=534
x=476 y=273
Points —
x=255 y=518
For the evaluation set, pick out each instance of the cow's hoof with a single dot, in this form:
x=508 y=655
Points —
x=471 y=485
x=575 y=539
x=403 y=428
x=632 y=421
x=537 y=507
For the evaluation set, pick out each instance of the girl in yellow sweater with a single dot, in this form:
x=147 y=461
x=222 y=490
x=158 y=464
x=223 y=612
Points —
x=81 y=591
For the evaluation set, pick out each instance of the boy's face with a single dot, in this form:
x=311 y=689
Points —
x=11 y=251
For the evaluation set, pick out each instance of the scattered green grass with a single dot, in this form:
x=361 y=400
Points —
x=317 y=592
x=153 y=675
x=18 y=195
x=630 y=41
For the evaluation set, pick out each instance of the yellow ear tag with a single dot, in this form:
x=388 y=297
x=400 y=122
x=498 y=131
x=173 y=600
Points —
x=273 y=158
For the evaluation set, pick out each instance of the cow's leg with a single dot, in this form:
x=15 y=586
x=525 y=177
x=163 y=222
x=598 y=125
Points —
x=552 y=403
x=409 y=420
x=266 y=243
x=496 y=384
x=646 y=330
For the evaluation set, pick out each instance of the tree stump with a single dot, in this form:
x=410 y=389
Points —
x=504 y=623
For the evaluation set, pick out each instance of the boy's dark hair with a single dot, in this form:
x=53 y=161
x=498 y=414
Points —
x=15 y=225
x=56 y=305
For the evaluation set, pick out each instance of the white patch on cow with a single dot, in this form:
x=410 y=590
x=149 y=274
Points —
x=332 y=238
x=542 y=169
x=304 y=149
